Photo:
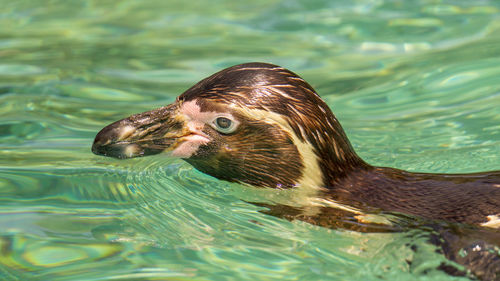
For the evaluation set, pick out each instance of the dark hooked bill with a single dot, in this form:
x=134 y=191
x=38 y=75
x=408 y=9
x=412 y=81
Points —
x=139 y=135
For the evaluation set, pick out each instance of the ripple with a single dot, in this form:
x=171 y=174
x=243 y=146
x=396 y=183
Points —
x=101 y=93
x=414 y=84
x=19 y=70
x=29 y=256
x=21 y=130
x=58 y=255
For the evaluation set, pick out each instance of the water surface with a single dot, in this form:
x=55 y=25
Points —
x=414 y=83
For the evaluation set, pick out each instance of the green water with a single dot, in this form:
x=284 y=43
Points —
x=415 y=84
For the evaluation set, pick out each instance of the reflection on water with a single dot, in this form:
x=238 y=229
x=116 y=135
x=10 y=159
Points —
x=414 y=84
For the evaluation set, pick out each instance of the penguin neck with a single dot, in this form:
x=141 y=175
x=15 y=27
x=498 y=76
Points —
x=338 y=160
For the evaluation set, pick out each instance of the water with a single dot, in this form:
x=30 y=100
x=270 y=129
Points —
x=414 y=83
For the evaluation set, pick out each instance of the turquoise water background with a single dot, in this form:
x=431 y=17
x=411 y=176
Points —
x=415 y=84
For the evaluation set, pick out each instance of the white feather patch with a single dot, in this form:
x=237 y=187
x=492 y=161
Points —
x=493 y=221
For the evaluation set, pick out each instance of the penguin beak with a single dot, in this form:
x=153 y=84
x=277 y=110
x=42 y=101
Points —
x=142 y=134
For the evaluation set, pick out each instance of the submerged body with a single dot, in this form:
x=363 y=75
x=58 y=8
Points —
x=472 y=199
x=262 y=125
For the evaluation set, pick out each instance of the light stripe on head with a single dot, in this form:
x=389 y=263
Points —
x=311 y=178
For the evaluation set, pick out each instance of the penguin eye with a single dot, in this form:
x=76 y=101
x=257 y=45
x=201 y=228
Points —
x=224 y=125
x=223 y=122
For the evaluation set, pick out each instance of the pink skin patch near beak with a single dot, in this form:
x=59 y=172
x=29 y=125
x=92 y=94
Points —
x=189 y=145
